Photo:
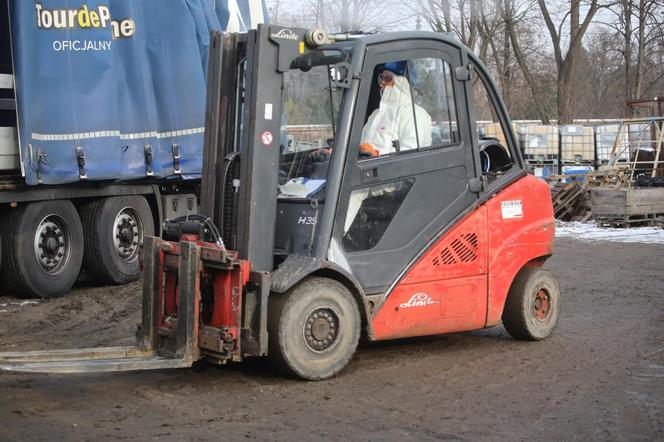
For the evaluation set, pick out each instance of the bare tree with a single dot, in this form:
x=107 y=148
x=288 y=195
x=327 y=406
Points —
x=566 y=60
x=461 y=17
x=512 y=17
x=353 y=15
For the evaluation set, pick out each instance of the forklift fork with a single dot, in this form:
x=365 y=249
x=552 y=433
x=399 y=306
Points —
x=162 y=342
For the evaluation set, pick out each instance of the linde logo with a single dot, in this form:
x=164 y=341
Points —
x=285 y=34
x=419 y=300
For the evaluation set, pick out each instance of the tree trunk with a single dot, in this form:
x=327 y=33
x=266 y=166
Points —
x=638 y=81
x=627 y=53
x=508 y=12
x=447 y=18
x=564 y=89
x=566 y=65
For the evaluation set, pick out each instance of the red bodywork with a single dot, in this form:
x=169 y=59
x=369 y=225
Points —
x=461 y=282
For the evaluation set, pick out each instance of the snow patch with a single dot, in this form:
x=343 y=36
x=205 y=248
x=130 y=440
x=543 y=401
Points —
x=16 y=305
x=24 y=303
x=590 y=232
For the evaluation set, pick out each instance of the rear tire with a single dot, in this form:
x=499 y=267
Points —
x=114 y=229
x=533 y=305
x=42 y=245
x=314 y=328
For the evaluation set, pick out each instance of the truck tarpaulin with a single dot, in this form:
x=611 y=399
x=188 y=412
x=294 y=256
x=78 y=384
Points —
x=115 y=89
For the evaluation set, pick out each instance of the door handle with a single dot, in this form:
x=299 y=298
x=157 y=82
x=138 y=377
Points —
x=369 y=175
x=477 y=185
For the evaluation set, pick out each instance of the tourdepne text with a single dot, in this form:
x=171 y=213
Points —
x=84 y=18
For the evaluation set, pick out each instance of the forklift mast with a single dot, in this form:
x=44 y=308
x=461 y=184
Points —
x=243 y=128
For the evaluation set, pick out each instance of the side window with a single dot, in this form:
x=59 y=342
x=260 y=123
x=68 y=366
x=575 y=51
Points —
x=494 y=151
x=310 y=109
x=434 y=93
x=370 y=212
x=411 y=107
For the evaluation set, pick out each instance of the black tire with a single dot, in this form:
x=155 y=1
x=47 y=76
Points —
x=42 y=245
x=109 y=259
x=533 y=305
x=300 y=321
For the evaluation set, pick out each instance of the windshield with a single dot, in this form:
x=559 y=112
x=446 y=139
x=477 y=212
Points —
x=311 y=107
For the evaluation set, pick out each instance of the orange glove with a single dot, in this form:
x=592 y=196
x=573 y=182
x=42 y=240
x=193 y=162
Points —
x=322 y=154
x=368 y=150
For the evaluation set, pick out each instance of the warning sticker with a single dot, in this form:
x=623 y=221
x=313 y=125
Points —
x=266 y=138
x=511 y=209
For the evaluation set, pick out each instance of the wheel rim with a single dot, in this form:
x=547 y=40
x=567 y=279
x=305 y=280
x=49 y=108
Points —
x=321 y=329
x=127 y=234
x=541 y=305
x=52 y=244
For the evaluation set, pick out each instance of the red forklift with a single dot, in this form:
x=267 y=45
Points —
x=304 y=244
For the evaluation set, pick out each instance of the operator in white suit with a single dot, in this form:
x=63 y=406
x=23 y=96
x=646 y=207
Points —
x=391 y=127
x=397 y=124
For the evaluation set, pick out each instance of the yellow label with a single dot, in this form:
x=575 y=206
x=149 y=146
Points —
x=301 y=47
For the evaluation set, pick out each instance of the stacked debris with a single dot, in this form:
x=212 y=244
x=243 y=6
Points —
x=622 y=193
x=570 y=201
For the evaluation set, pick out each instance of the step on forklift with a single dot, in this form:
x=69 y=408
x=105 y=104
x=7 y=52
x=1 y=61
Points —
x=305 y=243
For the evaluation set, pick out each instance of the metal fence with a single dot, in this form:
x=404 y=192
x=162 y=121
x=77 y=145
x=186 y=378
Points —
x=635 y=146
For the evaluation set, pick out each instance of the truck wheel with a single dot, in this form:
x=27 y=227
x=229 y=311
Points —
x=313 y=329
x=114 y=229
x=533 y=305
x=42 y=246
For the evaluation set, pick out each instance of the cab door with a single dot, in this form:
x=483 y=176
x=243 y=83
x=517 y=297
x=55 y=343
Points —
x=392 y=207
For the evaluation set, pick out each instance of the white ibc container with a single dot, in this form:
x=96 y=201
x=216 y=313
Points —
x=9 y=159
x=577 y=143
x=640 y=137
x=606 y=136
x=539 y=142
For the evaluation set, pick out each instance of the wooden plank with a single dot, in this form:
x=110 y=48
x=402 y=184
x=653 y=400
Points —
x=644 y=210
x=608 y=201
x=644 y=196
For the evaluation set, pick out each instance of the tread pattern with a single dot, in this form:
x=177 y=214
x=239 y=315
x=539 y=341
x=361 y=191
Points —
x=8 y=269
x=20 y=271
x=515 y=319
x=97 y=259
x=280 y=303
x=91 y=259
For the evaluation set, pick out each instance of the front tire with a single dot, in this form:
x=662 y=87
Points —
x=42 y=244
x=533 y=305
x=314 y=328
x=114 y=230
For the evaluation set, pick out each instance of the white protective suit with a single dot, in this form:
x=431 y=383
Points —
x=393 y=120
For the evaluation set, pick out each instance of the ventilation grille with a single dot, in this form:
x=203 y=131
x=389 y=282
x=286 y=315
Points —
x=462 y=249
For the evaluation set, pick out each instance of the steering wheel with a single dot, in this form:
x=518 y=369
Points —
x=485 y=159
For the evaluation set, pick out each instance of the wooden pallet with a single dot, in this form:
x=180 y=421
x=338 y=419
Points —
x=566 y=201
x=628 y=206
x=653 y=219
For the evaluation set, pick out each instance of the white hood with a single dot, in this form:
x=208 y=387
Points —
x=393 y=120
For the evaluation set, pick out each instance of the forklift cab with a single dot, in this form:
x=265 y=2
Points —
x=370 y=217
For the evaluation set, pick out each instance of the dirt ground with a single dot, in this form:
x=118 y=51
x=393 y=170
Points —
x=599 y=377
